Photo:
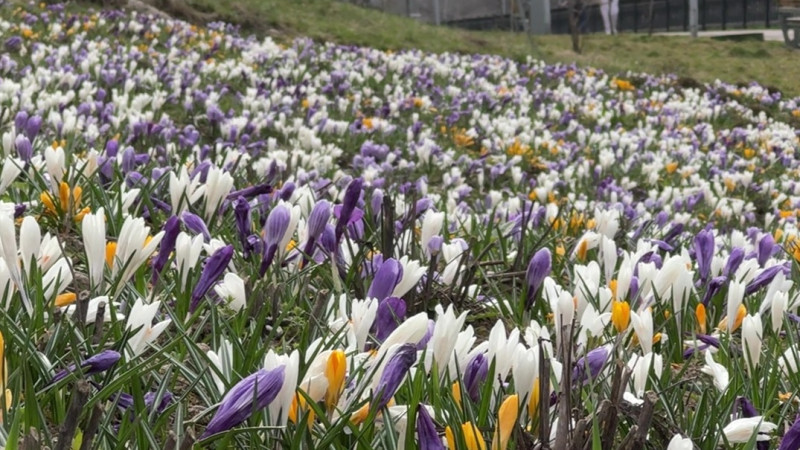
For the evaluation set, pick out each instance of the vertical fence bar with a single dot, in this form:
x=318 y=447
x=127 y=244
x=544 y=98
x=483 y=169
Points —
x=766 y=19
x=703 y=15
x=744 y=13
x=666 y=4
x=437 y=18
x=635 y=16
x=685 y=15
x=724 y=14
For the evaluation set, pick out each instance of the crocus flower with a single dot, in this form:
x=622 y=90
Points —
x=752 y=332
x=704 y=252
x=140 y=318
x=717 y=371
x=393 y=375
x=538 y=269
x=317 y=221
x=276 y=226
x=764 y=278
x=475 y=374
x=171 y=231
x=351 y=196
x=248 y=396
x=242 y=217
x=232 y=291
x=471 y=435
x=95 y=364
x=194 y=223
x=679 y=442
x=215 y=265
x=620 y=315
x=426 y=431
x=590 y=366
x=385 y=280
x=791 y=440
x=335 y=370
x=741 y=430
x=735 y=259
x=765 y=249
x=506 y=421
x=391 y=312
x=93 y=228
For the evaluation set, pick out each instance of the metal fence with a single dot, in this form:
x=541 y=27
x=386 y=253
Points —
x=668 y=15
x=673 y=15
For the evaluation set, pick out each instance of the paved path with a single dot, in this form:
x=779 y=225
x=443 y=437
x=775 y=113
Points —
x=769 y=35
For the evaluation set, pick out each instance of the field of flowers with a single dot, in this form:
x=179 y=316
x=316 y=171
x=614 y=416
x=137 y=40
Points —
x=212 y=239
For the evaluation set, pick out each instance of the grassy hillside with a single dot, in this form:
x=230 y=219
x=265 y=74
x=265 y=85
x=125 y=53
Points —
x=769 y=63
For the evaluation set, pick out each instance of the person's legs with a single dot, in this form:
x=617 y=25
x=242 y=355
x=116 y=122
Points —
x=605 y=12
x=614 y=13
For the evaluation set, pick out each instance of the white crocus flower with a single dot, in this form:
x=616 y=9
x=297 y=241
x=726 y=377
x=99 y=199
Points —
x=431 y=226
x=30 y=241
x=187 y=255
x=92 y=308
x=218 y=186
x=679 y=442
x=412 y=273
x=12 y=168
x=717 y=371
x=642 y=323
x=93 y=228
x=232 y=291
x=640 y=370
x=735 y=297
x=183 y=190
x=279 y=409
x=133 y=248
x=223 y=361
x=741 y=430
x=752 y=333
x=445 y=335
x=141 y=317
x=779 y=305
x=57 y=278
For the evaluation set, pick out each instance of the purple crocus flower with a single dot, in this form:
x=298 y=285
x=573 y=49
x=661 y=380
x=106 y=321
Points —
x=790 y=440
x=386 y=278
x=474 y=375
x=390 y=314
x=195 y=224
x=713 y=287
x=765 y=249
x=426 y=431
x=13 y=44
x=32 y=127
x=276 y=226
x=95 y=364
x=215 y=265
x=125 y=401
x=393 y=374
x=242 y=217
x=20 y=120
x=351 y=197
x=250 y=192
x=764 y=278
x=171 y=230
x=589 y=366
x=734 y=260
x=248 y=396
x=435 y=245
x=24 y=148
x=539 y=268
x=704 y=252
x=317 y=221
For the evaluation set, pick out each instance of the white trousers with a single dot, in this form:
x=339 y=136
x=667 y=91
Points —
x=609 y=9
